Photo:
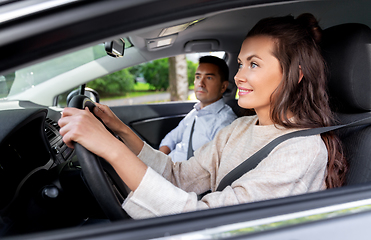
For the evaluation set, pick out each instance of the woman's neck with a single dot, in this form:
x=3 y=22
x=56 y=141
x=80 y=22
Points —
x=265 y=119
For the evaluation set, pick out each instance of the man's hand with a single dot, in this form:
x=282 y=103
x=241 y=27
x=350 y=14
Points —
x=165 y=149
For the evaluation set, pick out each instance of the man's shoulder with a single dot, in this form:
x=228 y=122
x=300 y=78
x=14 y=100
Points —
x=227 y=112
x=191 y=114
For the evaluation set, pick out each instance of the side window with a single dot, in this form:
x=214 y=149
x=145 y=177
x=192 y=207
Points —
x=146 y=83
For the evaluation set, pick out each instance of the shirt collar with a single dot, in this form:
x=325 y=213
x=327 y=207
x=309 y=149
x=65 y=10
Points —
x=212 y=108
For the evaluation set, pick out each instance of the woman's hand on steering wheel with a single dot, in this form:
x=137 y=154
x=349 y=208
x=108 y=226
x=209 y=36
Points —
x=90 y=137
x=108 y=117
x=83 y=127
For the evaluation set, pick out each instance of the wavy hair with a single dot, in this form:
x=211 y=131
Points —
x=297 y=48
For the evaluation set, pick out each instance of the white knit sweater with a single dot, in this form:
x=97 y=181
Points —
x=295 y=166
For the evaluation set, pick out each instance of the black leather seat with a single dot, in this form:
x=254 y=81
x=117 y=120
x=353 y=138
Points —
x=347 y=51
x=239 y=111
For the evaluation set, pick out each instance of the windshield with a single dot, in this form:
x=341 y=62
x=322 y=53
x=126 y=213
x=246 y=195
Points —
x=23 y=79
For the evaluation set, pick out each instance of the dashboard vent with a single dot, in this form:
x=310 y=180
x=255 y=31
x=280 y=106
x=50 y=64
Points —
x=50 y=127
x=49 y=133
x=53 y=123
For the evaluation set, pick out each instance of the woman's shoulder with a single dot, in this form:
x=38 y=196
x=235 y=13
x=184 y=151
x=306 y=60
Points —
x=312 y=144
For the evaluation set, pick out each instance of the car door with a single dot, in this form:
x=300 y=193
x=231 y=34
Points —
x=153 y=121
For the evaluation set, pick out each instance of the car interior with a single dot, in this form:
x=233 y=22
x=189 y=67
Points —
x=346 y=50
x=34 y=196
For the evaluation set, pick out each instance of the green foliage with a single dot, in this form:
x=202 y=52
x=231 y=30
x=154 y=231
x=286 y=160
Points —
x=118 y=83
x=142 y=87
x=135 y=70
x=156 y=73
x=191 y=71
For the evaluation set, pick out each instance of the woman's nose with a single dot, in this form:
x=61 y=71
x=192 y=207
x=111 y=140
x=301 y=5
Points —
x=239 y=77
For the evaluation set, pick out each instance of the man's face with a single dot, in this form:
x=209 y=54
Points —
x=208 y=86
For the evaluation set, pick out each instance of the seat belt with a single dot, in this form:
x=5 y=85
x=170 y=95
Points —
x=190 y=147
x=256 y=158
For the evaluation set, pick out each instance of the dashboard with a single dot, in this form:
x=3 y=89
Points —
x=41 y=180
x=29 y=143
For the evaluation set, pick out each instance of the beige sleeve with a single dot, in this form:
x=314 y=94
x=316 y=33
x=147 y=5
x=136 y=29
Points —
x=294 y=167
x=198 y=174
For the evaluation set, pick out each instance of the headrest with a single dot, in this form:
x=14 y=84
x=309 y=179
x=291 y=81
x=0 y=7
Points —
x=347 y=51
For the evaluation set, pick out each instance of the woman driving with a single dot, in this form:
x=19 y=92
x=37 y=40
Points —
x=282 y=77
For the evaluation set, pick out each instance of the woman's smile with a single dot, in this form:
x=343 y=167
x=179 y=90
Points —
x=243 y=91
x=259 y=75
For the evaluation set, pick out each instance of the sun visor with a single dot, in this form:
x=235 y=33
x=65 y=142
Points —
x=160 y=43
x=208 y=45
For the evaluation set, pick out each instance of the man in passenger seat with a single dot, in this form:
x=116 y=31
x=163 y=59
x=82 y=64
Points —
x=208 y=116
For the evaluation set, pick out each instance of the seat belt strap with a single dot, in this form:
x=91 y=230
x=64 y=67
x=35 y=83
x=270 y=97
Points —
x=190 y=147
x=256 y=158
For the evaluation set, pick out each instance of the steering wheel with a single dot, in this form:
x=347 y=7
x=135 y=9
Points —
x=94 y=175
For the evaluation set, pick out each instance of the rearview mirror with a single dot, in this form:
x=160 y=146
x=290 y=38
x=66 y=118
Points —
x=115 y=48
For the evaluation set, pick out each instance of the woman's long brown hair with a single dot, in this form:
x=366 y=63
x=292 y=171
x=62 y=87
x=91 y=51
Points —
x=296 y=48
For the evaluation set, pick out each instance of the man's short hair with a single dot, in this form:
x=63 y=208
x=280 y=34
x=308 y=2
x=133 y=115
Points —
x=220 y=63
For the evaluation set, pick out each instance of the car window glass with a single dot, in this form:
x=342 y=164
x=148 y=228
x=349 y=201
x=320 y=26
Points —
x=145 y=83
x=26 y=78
x=33 y=75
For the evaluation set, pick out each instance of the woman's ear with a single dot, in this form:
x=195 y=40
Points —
x=301 y=75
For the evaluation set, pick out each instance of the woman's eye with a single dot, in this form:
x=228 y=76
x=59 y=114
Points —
x=253 y=65
x=239 y=65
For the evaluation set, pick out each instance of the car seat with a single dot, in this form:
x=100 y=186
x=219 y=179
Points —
x=239 y=111
x=347 y=51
